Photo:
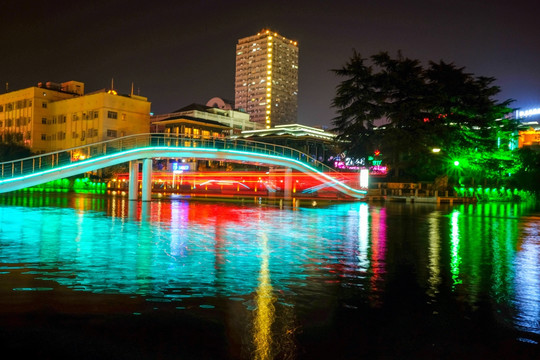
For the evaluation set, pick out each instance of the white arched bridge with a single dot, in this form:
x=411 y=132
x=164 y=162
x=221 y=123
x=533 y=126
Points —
x=36 y=170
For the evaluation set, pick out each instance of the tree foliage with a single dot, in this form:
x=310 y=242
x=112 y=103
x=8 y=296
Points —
x=406 y=109
x=12 y=151
x=528 y=173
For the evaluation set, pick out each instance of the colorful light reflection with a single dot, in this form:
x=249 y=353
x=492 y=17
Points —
x=172 y=251
x=455 y=258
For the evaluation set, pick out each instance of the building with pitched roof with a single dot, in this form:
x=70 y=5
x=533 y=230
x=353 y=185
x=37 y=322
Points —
x=196 y=119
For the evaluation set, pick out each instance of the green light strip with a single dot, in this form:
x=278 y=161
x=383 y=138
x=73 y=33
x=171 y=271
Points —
x=70 y=166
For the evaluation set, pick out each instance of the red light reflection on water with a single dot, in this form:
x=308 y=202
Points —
x=378 y=251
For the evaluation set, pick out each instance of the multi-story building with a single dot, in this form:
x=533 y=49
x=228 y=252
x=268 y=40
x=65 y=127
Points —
x=196 y=119
x=529 y=129
x=267 y=78
x=51 y=117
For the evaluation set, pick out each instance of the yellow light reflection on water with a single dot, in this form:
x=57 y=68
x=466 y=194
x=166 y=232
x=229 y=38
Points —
x=434 y=254
x=264 y=315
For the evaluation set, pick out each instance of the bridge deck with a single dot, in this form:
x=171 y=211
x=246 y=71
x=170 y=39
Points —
x=40 y=169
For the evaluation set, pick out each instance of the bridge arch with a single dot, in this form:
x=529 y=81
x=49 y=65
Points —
x=40 y=169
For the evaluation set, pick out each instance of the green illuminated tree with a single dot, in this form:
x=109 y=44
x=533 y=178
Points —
x=418 y=108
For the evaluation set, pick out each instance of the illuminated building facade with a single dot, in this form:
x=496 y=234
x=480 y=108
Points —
x=529 y=137
x=201 y=117
x=529 y=133
x=190 y=126
x=267 y=78
x=217 y=119
x=51 y=117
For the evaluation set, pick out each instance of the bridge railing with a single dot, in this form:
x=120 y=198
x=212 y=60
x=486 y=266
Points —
x=39 y=163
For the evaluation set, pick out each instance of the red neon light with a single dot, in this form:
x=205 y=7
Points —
x=239 y=183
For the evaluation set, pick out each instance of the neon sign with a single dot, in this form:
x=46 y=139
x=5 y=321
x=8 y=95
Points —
x=348 y=163
x=378 y=170
x=179 y=167
x=527 y=113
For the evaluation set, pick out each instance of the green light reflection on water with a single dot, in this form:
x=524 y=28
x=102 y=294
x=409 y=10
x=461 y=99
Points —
x=454 y=252
x=176 y=250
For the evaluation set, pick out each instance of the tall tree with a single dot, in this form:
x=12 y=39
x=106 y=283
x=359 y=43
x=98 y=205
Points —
x=420 y=108
x=13 y=151
x=358 y=104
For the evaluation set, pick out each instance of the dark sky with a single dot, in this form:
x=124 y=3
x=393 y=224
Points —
x=178 y=52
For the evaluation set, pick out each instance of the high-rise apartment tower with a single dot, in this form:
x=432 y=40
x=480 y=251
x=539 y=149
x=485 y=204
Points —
x=267 y=78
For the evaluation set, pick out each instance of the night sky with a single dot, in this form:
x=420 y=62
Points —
x=178 y=52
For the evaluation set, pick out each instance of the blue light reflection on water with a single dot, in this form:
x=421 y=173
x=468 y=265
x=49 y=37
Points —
x=201 y=253
x=169 y=251
x=495 y=256
x=527 y=273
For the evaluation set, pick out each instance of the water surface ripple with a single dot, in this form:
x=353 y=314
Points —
x=287 y=276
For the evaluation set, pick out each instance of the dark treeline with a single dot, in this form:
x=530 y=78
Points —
x=405 y=110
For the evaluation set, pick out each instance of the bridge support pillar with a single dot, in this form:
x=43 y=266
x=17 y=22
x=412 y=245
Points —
x=146 y=193
x=271 y=192
x=287 y=193
x=133 y=180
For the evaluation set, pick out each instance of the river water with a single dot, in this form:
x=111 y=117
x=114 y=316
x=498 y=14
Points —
x=96 y=276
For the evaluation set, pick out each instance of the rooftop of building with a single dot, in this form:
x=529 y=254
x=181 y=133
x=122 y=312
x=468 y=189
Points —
x=202 y=108
x=76 y=88
x=193 y=107
x=295 y=130
x=267 y=32
x=205 y=108
x=177 y=118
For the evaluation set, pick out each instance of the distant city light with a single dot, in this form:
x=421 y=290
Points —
x=436 y=150
x=527 y=113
